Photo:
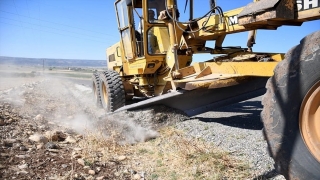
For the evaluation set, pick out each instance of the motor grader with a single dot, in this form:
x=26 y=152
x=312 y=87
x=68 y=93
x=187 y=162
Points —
x=153 y=61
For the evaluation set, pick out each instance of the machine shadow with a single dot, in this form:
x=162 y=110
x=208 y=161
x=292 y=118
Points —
x=250 y=119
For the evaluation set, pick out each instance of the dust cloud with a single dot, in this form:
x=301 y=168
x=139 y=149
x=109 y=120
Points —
x=67 y=103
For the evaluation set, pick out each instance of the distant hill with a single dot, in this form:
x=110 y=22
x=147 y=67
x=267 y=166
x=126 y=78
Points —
x=51 y=62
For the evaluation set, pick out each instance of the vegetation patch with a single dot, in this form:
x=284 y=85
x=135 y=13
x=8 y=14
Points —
x=170 y=156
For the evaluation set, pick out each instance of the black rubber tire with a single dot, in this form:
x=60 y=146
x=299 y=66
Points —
x=292 y=79
x=96 y=89
x=112 y=91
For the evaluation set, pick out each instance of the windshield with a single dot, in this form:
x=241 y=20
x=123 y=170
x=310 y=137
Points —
x=154 y=9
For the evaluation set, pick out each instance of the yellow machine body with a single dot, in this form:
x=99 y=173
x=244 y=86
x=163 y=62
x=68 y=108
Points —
x=167 y=68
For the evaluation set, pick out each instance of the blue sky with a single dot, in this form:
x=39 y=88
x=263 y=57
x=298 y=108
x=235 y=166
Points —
x=83 y=29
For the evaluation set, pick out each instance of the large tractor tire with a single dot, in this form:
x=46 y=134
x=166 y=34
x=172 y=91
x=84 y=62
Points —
x=112 y=91
x=96 y=89
x=291 y=112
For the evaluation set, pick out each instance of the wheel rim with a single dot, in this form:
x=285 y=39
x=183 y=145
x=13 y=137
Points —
x=310 y=120
x=105 y=94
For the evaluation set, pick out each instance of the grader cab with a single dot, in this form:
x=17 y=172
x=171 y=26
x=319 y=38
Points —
x=153 y=60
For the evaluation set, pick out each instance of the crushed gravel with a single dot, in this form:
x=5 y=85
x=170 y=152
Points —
x=236 y=129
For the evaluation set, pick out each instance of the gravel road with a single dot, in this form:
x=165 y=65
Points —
x=236 y=129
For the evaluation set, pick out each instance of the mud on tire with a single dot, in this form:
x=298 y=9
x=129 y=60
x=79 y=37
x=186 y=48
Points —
x=112 y=91
x=286 y=90
x=96 y=89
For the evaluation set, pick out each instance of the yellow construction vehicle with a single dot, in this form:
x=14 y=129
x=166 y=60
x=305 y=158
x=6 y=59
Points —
x=154 y=60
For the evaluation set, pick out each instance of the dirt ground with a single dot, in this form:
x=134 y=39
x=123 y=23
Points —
x=51 y=129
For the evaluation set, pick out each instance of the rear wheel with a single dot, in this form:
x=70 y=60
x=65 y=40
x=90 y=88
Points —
x=112 y=91
x=310 y=120
x=96 y=89
x=291 y=111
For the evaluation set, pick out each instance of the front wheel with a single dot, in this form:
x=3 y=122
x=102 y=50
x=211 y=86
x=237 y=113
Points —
x=291 y=112
x=112 y=91
x=96 y=89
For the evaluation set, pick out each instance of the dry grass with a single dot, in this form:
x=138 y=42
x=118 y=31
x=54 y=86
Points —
x=170 y=156
x=97 y=147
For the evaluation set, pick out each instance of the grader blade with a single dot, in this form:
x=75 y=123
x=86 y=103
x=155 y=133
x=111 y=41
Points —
x=202 y=100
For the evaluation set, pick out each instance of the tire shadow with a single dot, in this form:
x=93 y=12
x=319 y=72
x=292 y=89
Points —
x=248 y=117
